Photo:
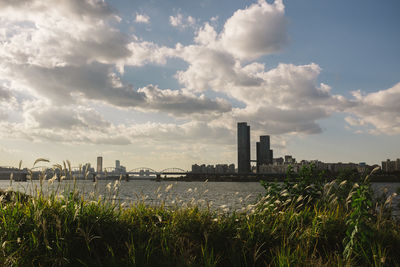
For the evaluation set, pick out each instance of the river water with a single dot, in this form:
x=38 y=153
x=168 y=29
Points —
x=227 y=196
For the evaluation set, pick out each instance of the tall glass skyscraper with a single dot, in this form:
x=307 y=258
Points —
x=99 y=164
x=243 y=132
x=264 y=153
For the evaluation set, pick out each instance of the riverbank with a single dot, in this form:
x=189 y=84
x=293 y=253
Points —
x=285 y=228
x=198 y=177
x=377 y=178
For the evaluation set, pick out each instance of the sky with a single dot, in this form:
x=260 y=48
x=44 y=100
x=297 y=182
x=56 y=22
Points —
x=162 y=84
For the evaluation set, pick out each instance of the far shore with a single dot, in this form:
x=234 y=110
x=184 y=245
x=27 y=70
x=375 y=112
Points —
x=194 y=177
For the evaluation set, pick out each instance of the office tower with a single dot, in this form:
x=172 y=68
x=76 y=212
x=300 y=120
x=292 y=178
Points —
x=117 y=164
x=86 y=168
x=264 y=153
x=289 y=159
x=243 y=133
x=99 y=164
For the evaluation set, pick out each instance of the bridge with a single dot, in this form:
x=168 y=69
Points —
x=112 y=172
x=149 y=171
x=79 y=172
x=141 y=173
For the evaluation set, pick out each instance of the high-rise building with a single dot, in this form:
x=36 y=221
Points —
x=99 y=164
x=86 y=168
x=391 y=165
x=243 y=135
x=289 y=159
x=117 y=164
x=264 y=153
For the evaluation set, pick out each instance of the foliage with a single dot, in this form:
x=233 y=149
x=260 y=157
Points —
x=359 y=231
x=297 y=189
x=305 y=221
x=365 y=218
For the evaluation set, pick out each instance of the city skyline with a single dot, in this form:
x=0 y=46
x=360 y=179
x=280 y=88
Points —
x=265 y=163
x=164 y=84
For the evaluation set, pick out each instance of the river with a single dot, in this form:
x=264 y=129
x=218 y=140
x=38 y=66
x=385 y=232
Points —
x=227 y=196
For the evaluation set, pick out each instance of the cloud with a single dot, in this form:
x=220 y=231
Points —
x=5 y=94
x=73 y=8
x=44 y=121
x=143 y=53
x=212 y=69
x=86 y=70
x=289 y=86
x=379 y=110
x=68 y=58
x=279 y=121
x=70 y=84
x=56 y=118
x=255 y=31
x=206 y=36
x=70 y=52
x=60 y=84
x=62 y=33
x=76 y=124
x=285 y=99
x=181 y=103
x=42 y=114
x=8 y=103
x=182 y=22
x=248 y=34
x=142 y=18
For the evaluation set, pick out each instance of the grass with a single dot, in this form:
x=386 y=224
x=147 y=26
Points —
x=302 y=222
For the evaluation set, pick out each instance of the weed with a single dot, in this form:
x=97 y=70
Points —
x=305 y=221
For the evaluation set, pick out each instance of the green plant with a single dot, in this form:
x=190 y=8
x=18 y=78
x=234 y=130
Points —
x=305 y=187
x=70 y=230
x=359 y=232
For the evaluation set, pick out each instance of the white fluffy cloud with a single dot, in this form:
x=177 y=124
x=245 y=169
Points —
x=42 y=114
x=212 y=69
x=8 y=103
x=182 y=22
x=181 y=103
x=70 y=56
x=148 y=52
x=284 y=99
x=57 y=34
x=255 y=31
x=69 y=84
x=70 y=50
x=77 y=124
x=142 y=18
x=380 y=109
